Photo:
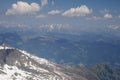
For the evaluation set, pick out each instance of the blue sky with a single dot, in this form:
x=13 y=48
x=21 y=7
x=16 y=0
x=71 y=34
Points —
x=79 y=14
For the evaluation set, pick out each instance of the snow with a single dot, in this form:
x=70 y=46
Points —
x=25 y=64
x=31 y=66
x=15 y=73
x=10 y=73
x=39 y=60
x=5 y=47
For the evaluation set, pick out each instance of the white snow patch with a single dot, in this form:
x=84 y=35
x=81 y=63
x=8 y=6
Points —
x=11 y=71
x=39 y=60
x=31 y=66
x=5 y=47
x=17 y=63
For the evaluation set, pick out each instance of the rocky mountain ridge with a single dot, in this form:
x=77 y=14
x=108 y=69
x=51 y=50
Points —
x=19 y=65
x=16 y=64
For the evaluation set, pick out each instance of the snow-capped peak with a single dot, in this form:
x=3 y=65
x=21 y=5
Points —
x=3 y=46
x=20 y=65
x=16 y=64
x=37 y=59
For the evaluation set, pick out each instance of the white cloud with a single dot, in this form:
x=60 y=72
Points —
x=23 y=8
x=114 y=27
x=40 y=16
x=119 y=16
x=53 y=12
x=79 y=11
x=94 y=18
x=52 y=2
x=51 y=27
x=12 y=24
x=44 y=2
x=104 y=11
x=107 y=16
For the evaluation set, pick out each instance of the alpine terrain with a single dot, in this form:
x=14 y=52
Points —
x=17 y=64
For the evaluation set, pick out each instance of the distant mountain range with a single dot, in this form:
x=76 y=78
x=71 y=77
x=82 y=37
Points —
x=86 y=48
x=18 y=64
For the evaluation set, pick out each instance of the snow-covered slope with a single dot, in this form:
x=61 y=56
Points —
x=17 y=64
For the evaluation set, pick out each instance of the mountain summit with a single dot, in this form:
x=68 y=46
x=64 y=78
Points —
x=16 y=64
